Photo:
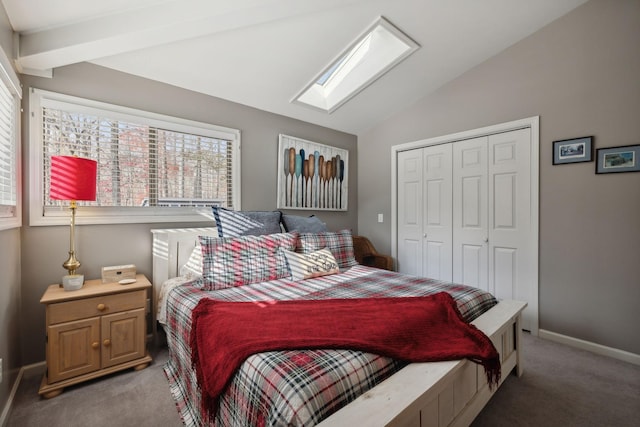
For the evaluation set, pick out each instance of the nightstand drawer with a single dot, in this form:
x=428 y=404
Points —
x=96 y=306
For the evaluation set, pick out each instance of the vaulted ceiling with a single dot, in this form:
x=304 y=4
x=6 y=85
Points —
x=261 y=53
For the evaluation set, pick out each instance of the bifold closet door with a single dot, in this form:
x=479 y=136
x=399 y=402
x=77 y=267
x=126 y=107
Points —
x=437 y=194
x=510 y=220
x=492 y=215
x=410 y=212
x=464 y=215
x=470 y=213
x=424 y=201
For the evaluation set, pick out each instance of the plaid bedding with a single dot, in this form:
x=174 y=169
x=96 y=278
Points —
x=295 y=387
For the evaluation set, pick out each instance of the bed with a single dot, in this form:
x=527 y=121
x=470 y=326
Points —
x=448 y=393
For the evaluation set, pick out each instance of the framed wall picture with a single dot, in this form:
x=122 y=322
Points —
x=312 y=176
x=624 y=158
x=574 y=150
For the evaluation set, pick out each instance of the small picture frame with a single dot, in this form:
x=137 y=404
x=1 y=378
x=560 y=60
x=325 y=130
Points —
x=625 y=158
x=576 y=150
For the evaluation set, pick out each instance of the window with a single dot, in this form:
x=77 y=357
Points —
x=10 y=192
x=151 y=168
x=379 y=49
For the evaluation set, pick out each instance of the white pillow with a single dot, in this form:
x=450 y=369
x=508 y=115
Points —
x=314 y=264
x=193 y=268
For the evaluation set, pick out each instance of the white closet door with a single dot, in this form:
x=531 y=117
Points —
x=470 y=213
x=410 y=212
x=486 y=187
x=437 y=208
x=510 y=218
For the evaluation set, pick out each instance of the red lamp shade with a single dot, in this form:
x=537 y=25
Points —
x=72 y=178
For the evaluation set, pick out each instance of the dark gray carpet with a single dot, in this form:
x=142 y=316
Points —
x=561 y=386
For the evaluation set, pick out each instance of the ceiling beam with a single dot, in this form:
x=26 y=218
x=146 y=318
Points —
x=152 y=26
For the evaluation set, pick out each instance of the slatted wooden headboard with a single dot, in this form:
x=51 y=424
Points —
x=171 y=249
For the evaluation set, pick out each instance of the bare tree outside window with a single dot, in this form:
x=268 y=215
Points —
x=140 y=165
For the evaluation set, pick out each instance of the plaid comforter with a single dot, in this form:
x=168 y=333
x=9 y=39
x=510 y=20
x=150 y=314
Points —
x=298 y=388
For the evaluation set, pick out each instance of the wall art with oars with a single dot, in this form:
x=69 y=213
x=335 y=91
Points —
x=311 y=175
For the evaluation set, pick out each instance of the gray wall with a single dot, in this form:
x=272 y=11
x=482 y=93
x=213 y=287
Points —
x=45 y=248
x=9 y=311
x=580 y=74
x=10 y=277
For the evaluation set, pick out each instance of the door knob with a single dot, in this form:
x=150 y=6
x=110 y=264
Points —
x=486 y=240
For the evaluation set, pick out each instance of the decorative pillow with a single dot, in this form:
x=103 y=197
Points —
x=311 y=224
x=237 y=261
x=315 y=264
x=193 y=267
x=339 y=243
x=246 y=223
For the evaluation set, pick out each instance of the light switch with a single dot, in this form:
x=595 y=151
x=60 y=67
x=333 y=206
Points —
x=380 y=218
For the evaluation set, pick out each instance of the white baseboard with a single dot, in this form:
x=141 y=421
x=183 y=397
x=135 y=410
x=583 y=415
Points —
x=33 y=368
x=4 y=417
x=590 y=346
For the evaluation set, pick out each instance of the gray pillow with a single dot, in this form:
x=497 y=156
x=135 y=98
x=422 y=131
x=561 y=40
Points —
x=243 y=223
x=303 y=224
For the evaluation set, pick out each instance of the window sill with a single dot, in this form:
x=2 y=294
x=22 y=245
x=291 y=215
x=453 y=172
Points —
x=85 y=216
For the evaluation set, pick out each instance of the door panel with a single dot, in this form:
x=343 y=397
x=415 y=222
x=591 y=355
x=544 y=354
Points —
x=73 y=349
x=409 y=261
x=435 y=267
x=473 y=266
x=437 y=233
x=504 y=276
x=470 y=213
x=504 y=212
x=510 y=218
x=471 y=202
x=410 y=212
x=123 y=337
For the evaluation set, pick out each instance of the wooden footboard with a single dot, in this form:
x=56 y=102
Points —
x=442 y=393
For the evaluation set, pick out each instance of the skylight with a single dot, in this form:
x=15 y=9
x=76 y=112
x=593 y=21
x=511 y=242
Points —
x=374 y=53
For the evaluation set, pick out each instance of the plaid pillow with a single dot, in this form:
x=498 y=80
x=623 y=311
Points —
x=237 y=261
x=339 y=243
x=243 y=223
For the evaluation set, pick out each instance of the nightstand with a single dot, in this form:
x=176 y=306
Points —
x=94 y=331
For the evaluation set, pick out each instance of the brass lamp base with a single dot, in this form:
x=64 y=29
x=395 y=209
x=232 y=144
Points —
x=72 y=263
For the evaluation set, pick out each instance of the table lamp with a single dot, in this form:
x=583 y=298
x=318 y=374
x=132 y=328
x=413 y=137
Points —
x=73 y=179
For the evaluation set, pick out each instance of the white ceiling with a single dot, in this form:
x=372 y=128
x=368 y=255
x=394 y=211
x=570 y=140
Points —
x=261 y=53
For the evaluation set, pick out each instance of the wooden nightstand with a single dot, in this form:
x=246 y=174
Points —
x=94 y=331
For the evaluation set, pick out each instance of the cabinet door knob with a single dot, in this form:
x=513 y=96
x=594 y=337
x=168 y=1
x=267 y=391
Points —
x=106 y=342
x=101 y=307
x=95 y=345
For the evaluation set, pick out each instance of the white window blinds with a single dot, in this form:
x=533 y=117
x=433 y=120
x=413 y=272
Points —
x=8 y=150
x=151 y=167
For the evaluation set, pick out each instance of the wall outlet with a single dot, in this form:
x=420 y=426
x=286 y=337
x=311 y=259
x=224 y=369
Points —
x=380 y=218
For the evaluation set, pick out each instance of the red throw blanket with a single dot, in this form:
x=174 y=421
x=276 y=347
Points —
x=414 y=329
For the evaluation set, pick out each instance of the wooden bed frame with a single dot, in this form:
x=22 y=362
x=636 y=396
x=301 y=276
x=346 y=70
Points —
x=422 y=394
